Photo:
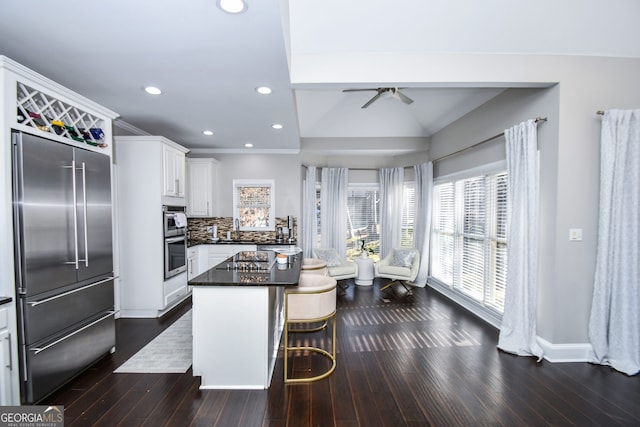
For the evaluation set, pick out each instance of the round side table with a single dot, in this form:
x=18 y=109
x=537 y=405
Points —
x=365 y=271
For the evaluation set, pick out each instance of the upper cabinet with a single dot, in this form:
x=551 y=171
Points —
x=201 y=187
x=150 y=168
x=173 y=169
x=36 y=105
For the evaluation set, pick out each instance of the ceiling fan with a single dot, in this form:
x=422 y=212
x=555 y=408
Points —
x=386 y=92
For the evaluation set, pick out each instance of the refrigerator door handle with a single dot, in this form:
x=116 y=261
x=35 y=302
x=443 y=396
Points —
x=84 y=213
x=64 y=294
x=16 y=139
x=37 y=350
x=75 y=211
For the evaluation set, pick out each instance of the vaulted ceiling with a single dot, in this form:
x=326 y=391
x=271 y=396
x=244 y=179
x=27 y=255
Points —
x=208 y=62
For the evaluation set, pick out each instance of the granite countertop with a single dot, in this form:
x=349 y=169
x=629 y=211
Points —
x=277 y=275
x=195 y=242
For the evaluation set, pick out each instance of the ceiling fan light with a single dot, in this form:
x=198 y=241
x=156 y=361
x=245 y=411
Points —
x=232 y=6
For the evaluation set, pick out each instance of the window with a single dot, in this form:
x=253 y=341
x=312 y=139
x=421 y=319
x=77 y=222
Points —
x=408 y=214
x=469 y=237
x=363 y=219
x=254 y=206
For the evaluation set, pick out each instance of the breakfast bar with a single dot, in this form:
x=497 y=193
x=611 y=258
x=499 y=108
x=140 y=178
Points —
x=238 y=319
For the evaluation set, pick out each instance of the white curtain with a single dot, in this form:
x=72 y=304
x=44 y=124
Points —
x=518 y=330
x=422 y=228
x=614 y=324
x=309 y=234
x=333 y=209
x=391 y=192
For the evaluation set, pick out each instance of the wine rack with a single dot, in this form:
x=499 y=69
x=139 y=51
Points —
x=49 y=114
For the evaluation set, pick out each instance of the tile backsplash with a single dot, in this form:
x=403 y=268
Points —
x=197 y=228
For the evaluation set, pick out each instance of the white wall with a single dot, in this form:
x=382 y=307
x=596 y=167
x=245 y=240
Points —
x=364 y=153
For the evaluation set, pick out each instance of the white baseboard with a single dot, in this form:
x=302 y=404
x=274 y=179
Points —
x=138 y=314
x=554 y=353
x=482 y=313
x=565 y=353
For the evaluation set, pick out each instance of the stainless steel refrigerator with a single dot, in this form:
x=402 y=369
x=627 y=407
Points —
x=64 y=261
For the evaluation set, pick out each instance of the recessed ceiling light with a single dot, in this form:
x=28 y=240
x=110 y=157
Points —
x=276 y=126
x=232 y=6
x=248 y=145
x=152 y=90
x=263 y=90
x=207 y=132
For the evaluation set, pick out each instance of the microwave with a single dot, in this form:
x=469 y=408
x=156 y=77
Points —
x=169 y=214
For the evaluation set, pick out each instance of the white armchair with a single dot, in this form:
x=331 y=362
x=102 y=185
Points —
x=337 y=267
x=401 y=266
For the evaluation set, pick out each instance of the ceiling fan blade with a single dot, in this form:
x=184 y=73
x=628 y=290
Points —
x=376 y=96
x=404 y=98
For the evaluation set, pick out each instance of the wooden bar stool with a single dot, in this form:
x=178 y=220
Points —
x=313 y=300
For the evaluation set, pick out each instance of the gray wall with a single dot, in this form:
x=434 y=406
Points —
x=574 y=89
x=284 y=169
x=569 y=166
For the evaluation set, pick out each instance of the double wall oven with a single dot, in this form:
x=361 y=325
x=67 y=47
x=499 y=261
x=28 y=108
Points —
x=175 y=240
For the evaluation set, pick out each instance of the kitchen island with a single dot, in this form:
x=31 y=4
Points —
x=238 y=318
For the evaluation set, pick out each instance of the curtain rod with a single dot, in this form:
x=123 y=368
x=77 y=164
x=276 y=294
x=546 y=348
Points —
x=484 y=141
x=600 y=112
x=351 y=169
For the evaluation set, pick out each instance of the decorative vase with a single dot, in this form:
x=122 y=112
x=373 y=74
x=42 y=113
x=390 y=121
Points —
x=364 y=254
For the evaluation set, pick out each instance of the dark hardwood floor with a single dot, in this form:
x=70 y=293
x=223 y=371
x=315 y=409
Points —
x=400 y=363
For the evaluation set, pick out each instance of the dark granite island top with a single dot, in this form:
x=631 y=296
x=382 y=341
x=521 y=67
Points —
x=252 y=268
x=238 y=318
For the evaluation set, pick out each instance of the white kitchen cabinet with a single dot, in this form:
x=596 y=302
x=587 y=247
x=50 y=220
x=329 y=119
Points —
x=173 y=160
x=201 y=258
x=201 y=187
x=193 y=262
x=218 y=253
x=175 y=289
x=6 y=360
x=224 y=358
x=140 y=169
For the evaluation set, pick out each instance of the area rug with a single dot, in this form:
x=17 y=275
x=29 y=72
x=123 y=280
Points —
x=168 y=353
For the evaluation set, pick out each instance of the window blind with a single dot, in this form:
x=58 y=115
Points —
x=468 y=245
x=408 y=214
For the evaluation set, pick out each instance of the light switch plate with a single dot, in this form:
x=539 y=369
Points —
x=575 y=234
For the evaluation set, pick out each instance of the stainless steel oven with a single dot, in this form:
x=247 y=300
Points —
x=175 y=255
x=175 y=240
